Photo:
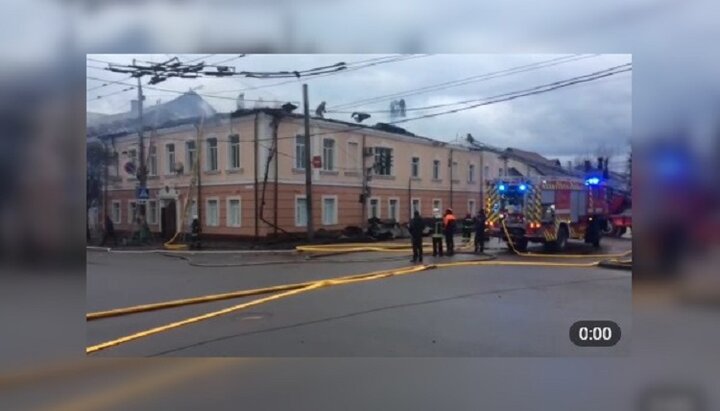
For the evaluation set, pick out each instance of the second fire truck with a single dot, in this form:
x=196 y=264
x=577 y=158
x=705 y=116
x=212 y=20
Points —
x=547 y=210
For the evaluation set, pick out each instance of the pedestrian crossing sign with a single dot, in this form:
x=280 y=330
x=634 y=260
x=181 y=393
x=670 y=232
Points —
x=143 y=193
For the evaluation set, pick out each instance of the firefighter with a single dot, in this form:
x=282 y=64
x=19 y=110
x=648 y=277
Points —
x=449 y=228
x=417 y=225
x=467 y=228
x=480 y=231
x=437 y=233
x=195 y=233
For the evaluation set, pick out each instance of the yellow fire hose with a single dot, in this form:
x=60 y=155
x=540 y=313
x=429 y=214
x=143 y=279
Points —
x=289 y=290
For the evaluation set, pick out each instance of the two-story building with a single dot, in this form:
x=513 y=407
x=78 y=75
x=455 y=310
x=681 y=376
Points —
x=252 y=174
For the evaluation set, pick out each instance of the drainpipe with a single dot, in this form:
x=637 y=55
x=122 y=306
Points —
x=410 y=210
x=255 y=176
x=451 y=178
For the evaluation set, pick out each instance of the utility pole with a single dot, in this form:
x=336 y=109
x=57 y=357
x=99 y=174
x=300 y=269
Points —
x=308 y=167
x=199 y=139
x=142 y=170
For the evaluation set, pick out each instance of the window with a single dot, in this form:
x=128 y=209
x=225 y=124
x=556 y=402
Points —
x=152 y=212
x=393 y=209
x=191 y=151
x=415 y=167
x=353 y=150
x=374 y=208
x=471 y=207
x=436 y=169
x=193 y=212
x=471 y=173
x=234 y=152
x=212 y=213
x=437 y=203
x=300 y=152
x=300 y=211
x=116 y=212
x=233 y=212
x=170 y=153
x=416 y=205
x=132 y=210
x=383 y=161
x=329 y=210
x=212 y=154
x=486 y=173
x=132 y=156
x=454 y=171
x=500 y=172
x=328 y=159
x=152 y=160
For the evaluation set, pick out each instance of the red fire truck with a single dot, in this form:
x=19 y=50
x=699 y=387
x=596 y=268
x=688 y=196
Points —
x=547 y=210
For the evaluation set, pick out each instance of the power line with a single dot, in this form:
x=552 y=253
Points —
x=463 y=81
x=496 y=96
x=366 y=63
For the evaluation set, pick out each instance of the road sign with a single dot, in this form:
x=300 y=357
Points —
x=317 y=162
x=130 y=168
x=143 y=193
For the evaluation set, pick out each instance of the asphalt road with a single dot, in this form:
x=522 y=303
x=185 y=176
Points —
x=454 y=312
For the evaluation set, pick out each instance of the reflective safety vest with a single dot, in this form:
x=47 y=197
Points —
x=437 y=228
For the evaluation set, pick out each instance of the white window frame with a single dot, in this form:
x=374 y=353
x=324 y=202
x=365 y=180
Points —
x=352 y=156
x=472 y=210
x=333 y=154
x=439 y=207
x=335 y=211
x=379 y=207
x=131 y=215
x=300 y=157
x=152 y=160
x=297 y=222
x=471 y=173
x=151 y=218
x=189 y=165
x=227 y=211
x=170 y=162
x=232 y=147
x=438 y=175
x=397 y=208
x=412 y=167
x=207 y=212
x=419 y=203
x=119 y=213
x=209 y=155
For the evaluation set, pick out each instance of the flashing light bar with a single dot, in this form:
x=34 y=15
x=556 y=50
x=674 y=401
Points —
x=522 y=187
x=501 y=187
x=592 y=181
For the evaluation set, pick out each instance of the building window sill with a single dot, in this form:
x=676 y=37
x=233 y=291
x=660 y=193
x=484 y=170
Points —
x=211 y=172
x=235 y=170
x=351 y=174
x=153 y=177
x=415 y=178
x=456 y=181
x=329 y=173
x=298 y=171
x=383 y=177
x=436 y=180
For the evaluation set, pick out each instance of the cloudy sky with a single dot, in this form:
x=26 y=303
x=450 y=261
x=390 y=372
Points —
x=580 y=120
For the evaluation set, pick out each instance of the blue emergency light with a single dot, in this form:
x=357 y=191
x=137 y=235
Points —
x=522 y=187
x=592 y=181
x=501 y=187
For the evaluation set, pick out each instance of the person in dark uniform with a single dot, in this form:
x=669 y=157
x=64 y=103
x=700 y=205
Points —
x=416 y=231
x=109 y=231
x=480 y=231
x=467 y=228
x=195 y=233
x=437 y=233
x=449 y=228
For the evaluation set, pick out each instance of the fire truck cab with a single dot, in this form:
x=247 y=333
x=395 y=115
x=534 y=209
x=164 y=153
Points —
x=547 y=210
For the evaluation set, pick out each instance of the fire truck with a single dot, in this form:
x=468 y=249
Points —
x=547 y=210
